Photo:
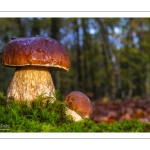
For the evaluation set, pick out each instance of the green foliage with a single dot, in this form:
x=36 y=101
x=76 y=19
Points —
x=58 y=95
x=2 y=99
x=42 y=116
x=1 y=95
x=36 y=116
x=124 y=126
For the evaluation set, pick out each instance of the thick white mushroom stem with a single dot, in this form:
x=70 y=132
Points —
x=75 y=116
x=29 y=82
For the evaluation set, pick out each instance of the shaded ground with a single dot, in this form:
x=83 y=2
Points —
x=117 y=110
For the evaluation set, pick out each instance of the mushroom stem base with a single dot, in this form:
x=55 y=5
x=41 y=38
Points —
x=29 y=82
x=75 y=116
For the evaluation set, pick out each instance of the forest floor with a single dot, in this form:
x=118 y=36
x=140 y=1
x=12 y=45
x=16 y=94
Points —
x=41 y=116
x=119 y=110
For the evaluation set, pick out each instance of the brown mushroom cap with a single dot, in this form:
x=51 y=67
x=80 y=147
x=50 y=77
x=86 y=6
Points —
x=80 y=103
x=36 y=51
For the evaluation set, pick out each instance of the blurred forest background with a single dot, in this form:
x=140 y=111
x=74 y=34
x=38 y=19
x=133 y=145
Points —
x=110 y=57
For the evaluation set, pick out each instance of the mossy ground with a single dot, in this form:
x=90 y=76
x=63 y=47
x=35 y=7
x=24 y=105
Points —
x=50 y=117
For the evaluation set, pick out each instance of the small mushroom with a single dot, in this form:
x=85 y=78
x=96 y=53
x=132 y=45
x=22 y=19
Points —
x=79 y=105
x=32 y=57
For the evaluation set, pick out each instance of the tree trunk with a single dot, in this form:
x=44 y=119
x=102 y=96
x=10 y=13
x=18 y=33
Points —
x=111 y=55
x=78 y=56
x=86 y=48
x=55 y=24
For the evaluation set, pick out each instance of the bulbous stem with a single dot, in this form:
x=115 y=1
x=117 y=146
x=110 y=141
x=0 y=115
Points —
x=75 y=116
x=29 y=82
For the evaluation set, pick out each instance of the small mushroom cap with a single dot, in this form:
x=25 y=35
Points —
x=80 y=103
x=36 y=51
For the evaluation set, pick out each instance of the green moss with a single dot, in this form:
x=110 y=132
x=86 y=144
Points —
x=124 y=126
x=43 y=116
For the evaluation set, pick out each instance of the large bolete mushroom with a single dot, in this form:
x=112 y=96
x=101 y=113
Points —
x=79 y=105
x=32 y=57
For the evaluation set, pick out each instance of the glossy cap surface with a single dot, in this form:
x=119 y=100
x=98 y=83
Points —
x=36 y=51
